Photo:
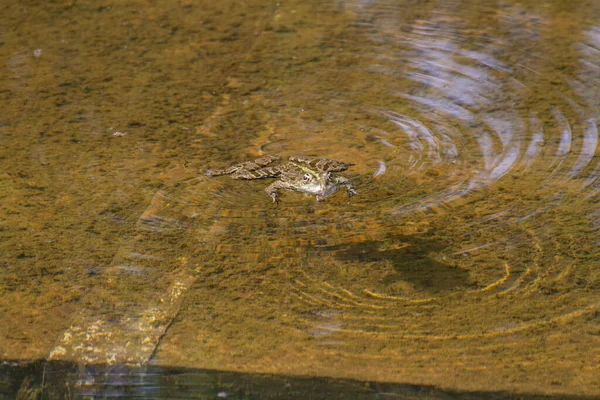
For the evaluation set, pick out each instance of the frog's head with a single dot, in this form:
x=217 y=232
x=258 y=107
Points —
x=316 y=183
x=309 y=182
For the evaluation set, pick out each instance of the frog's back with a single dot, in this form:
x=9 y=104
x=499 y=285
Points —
x=321 y=164
x=245 y=169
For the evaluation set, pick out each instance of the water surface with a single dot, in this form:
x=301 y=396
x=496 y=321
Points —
x=467 y=261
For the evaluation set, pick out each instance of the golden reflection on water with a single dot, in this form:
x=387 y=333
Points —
x=468 y=260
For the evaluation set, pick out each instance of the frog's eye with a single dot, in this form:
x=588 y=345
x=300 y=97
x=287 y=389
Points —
x=307 y=177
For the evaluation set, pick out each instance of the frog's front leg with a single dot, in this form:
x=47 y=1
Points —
x=274 y=187
x=340 y=180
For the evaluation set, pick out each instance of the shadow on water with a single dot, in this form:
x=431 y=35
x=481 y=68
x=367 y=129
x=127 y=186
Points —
x=410 y=258
x=64 y=380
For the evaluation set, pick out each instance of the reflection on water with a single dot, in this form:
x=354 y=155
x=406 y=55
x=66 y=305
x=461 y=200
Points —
x=468 y=259
x=69 y=380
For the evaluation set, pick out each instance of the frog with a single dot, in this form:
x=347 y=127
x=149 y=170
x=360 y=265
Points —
x=308 y=175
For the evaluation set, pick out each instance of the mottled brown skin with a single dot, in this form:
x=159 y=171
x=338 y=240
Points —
x=302 y=174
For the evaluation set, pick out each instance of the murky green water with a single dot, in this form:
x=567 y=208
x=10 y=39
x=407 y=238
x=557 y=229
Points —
x=468 y=260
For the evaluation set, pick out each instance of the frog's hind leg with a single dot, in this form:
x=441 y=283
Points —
x=242 y=169
x=266 y=172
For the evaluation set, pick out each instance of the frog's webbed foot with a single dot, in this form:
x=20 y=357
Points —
x=350 y=188
x=212 y=172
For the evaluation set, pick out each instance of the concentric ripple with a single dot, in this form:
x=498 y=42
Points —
x=480 y=187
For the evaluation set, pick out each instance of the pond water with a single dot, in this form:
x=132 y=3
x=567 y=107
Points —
x=467 y=262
